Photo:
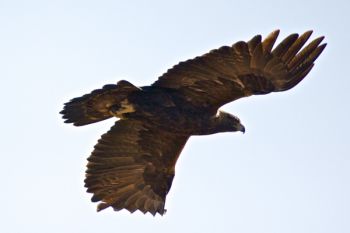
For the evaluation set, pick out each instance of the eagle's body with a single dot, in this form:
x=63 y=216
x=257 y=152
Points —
x=133 y=165
x=157 y=105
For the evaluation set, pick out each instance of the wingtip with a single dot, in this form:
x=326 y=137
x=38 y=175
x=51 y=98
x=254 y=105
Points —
x=275 y=32
x=322 y=46
x=102 y=206
x=270 y=40
x=318 y=40
x=322 y=38
x=308 y=32
x=306 y=35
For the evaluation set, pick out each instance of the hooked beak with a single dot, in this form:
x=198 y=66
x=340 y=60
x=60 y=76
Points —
x=241 y=128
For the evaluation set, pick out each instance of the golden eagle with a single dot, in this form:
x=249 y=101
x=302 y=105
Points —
x=133 y=165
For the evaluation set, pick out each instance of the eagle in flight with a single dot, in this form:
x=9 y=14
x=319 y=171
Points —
x=133 y=165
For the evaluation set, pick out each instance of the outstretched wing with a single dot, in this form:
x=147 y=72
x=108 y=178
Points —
x=132 y=167
x=244 y=69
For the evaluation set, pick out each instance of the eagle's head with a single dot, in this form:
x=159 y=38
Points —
x=229 y=123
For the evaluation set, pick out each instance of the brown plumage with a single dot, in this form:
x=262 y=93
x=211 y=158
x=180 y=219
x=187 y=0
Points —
x=133 y=164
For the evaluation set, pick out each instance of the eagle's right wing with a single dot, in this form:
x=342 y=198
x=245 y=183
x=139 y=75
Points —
x=243 y=69
x=133 y=166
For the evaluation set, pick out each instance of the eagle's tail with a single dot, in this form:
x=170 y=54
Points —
x=96 y=106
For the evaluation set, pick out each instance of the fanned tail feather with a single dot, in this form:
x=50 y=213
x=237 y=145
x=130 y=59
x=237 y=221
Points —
x=96 y=106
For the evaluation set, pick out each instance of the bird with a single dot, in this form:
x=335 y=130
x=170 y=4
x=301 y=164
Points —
x=132 y=166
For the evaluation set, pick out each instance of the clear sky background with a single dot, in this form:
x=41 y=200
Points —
x=289 y=173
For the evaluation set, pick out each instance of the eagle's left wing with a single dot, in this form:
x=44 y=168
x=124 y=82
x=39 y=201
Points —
x=243 y=69
x=132 y=167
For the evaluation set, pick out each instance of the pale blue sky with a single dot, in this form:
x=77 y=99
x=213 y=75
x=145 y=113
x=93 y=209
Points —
x=289 y=173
